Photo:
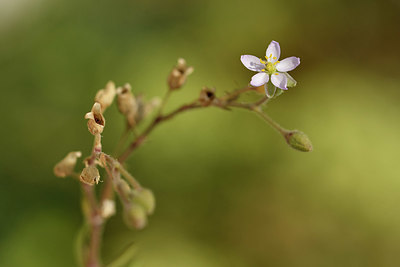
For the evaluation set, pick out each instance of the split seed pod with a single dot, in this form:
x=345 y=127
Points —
x=178 y=75
x=96 y=121
x=90 y=175
x=207 y=95
x=106 y=96
x=127 y=104
x=66 y=166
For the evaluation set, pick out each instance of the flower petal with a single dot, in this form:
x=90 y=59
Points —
x=288 y=64
x=259 y=79
x=273 y=52
x=279 y=80
x=252 y=63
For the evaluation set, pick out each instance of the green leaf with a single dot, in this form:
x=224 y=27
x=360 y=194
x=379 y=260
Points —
x=126 y=256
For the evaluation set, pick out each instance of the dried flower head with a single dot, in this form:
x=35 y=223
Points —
x=127 y=104
x=90 y=175
x=178 y=75
x=96 y=121
x=207 y=95
x=66 y=166
x=106 y=96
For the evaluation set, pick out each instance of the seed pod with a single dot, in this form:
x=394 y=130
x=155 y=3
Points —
x=145 y=108
x=66 y=166
x=106 y=96
x=145 y=197
x=127 y=104
x=90 y=175
x=96 y=121
x=178 y=75
x=135 y=216
x=207 y=95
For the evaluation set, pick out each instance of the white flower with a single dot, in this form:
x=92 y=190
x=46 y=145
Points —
x=272 y=66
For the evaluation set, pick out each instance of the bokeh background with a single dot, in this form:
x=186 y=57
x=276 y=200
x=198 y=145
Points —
x=229 y=191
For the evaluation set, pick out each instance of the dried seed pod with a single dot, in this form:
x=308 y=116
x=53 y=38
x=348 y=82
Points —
x=178 y=75
x=96 y=121
x=145 y=108
x=66 y=166
x=127 y=104
x=207 y=95
x=106 y=96
x=90 y=175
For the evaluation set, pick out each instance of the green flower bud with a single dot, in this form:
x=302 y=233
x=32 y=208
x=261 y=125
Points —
x=298 y=140
x=135 y=216
x=145 y=197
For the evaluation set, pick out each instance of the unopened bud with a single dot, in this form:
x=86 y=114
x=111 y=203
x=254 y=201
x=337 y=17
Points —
x=145 y=197
x=106 y=96
x=127 y=104
x=178 y=75
x=66 y=166
x=107 y=208
x=207 y=95
x=135 y=216
x=123 y=189
x=298 y=140
x=96 y=121
x=90 y=175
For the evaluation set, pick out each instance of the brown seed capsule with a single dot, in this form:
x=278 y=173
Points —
x=127 y=104
x=207 y=95
x=66 y=166
x=106 y=96
x=96 y=121
x=90 y=175
x=178 y=75
x=145 y=108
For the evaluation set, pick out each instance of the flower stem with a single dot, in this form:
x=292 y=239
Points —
x=95 y=223
x=270 y=121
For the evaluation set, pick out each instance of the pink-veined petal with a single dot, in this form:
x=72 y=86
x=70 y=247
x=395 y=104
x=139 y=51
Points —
x=259 y=79
x=273 y=52
x=279 y=80
x=288 y=64
x=252 y=63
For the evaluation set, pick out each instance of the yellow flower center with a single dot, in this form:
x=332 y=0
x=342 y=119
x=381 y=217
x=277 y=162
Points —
x=270 y=67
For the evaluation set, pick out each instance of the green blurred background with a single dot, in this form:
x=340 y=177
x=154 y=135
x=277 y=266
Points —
x=229 y=191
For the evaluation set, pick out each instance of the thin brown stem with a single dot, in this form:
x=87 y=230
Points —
x=95 y=222
x=161 y=118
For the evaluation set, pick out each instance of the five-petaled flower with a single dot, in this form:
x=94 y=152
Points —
x=271 y=66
